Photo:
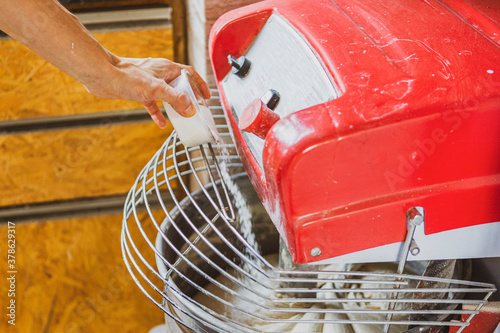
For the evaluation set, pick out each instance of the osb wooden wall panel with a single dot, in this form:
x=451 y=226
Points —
x=75 y=163
x=32 y=87
x=71 y=279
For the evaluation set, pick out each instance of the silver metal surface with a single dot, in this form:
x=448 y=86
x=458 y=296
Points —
x=161 y=14
x=210 y=273
x=281 y=60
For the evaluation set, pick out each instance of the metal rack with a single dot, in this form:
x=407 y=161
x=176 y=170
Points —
x=208 y=267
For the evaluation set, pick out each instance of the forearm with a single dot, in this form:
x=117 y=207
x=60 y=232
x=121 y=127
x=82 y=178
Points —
x=52 y=32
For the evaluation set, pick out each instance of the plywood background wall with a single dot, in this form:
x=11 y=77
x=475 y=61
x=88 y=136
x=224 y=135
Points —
x=71 y=279
x=71 y=163
x=71 y=276
x=32 y=87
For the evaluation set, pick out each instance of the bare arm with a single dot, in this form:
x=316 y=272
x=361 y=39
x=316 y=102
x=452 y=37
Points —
x=52 y=32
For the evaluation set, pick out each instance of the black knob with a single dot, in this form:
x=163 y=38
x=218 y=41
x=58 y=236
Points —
x=241 y=66
x=271 y=98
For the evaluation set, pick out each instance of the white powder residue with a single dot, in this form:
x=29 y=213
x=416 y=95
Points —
x=239 y=201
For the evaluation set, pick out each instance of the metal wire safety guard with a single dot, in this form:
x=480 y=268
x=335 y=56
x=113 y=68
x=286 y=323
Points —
x=173 y=253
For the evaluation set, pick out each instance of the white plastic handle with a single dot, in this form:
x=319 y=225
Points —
x=195 y=130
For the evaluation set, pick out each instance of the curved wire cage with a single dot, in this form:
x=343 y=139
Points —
x=199 y=245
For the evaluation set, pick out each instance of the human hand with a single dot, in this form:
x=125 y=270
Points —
x=146 y=81
x=60 y=38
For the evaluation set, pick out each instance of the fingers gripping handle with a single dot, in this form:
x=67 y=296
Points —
x=198 y=129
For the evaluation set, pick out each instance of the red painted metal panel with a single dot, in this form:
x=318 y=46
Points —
x=417 y=122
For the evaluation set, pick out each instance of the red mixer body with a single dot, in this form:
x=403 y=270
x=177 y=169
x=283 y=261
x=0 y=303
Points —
x=415 y=122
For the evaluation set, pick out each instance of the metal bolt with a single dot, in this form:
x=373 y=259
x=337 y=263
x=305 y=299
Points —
x=316 y=252
x=417 y=220
x=414 y=217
